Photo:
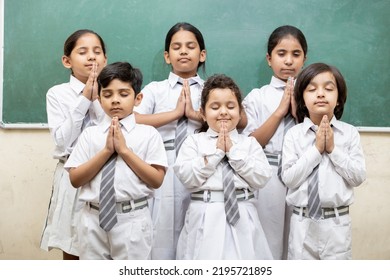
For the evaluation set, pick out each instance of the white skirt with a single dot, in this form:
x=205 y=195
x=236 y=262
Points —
x=63 y=216
x=207 y=235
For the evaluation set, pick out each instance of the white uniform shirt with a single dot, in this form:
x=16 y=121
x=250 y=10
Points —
x=246 y=157
x=66 y=110
x=339 y=171
x=144 y=140
x=162 y=96
x=259 y=105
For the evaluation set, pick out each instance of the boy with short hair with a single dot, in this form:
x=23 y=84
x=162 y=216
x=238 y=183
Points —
x=137 y=156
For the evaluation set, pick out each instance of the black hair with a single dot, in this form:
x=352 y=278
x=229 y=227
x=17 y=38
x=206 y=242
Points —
x=72 y=40
x=122 y=71
x=218 y=81
x=187 y=27
x=303 y=80
x=283 y=31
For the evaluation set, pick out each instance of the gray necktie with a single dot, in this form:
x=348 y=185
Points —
x=107 y=201
x=181 y=133
x=288 y=122
x=314 y=203
x=229 y=193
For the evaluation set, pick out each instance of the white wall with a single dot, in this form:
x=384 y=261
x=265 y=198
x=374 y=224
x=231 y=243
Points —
x=26 y=171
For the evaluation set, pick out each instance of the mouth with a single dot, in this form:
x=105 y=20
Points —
x=288 y=71
x=321 y=103
x=184 y=59
x=114 y=110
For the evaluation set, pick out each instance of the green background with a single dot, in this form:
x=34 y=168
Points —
x=352 y=35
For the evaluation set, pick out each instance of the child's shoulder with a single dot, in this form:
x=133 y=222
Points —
x=59 y=87
x=155 y=85
x=145 y=130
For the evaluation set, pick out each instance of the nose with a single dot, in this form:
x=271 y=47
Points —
x=321 y=92
x=223 y=110
x=289 y=59
x=183 y=50
x=115 y=99
x=91 y=56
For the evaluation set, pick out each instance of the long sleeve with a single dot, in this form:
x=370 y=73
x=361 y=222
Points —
x=248 y=160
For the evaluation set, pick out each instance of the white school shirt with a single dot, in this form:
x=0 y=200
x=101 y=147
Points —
x=259 y=105
x=339 y=171
x=162 y=96
x=66 y=109
x=246 y=157
x=144 y=140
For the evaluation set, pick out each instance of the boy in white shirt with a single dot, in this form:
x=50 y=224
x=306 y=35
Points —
x=139 y=169
x=322 y=163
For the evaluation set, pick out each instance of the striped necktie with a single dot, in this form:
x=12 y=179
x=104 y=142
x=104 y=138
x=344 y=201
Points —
x=314 y=203
x=229 y=193
x=107 y=201
x=288 y=122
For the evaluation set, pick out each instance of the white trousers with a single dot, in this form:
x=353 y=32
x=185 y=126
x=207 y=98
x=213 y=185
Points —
x=325 y=239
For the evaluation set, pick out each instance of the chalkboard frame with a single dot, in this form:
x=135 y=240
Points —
x=43 y=125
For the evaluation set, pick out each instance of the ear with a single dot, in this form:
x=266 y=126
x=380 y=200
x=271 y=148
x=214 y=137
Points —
x=138 y=99
x=166 y=57
x=202 y=114
x=202 y=56
x=268 y=57
x=66 y=62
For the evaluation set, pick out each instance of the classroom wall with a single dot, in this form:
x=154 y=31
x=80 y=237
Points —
x=26 y=171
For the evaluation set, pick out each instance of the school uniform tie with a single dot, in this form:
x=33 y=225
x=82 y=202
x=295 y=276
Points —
x=314 y=203
x=181 y=133
x=181 y=127
x=107 y=201
x=229 y=193
x=288 y=122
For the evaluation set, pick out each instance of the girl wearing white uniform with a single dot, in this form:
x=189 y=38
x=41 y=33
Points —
x=71 y=107
x=163 y=104
x=321 y=142
x=206 y=233
x=266 y=109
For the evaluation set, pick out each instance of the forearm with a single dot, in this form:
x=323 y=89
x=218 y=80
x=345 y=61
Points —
x=84 y=173
x=153 y=176
x=265 y=132
x=158 y=119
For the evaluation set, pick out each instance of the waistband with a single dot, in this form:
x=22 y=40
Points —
x=273 y=159
x=326 y=212
x=124 y=206
x=217 y=196
x=169 y=145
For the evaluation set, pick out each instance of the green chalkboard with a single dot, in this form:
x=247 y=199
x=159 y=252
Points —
x=350 y=34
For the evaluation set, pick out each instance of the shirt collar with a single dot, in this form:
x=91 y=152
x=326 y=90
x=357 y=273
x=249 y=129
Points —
x=173 y=79
x=307 y=124
x=127 y=123
x=76 y=85
x=277 y=83
x=233 y=134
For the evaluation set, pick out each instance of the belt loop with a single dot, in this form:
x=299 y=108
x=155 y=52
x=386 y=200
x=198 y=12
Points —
x=336 y=212
x=206 y=196
x=246 y=194
x=132 y=204
x=300 y=214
